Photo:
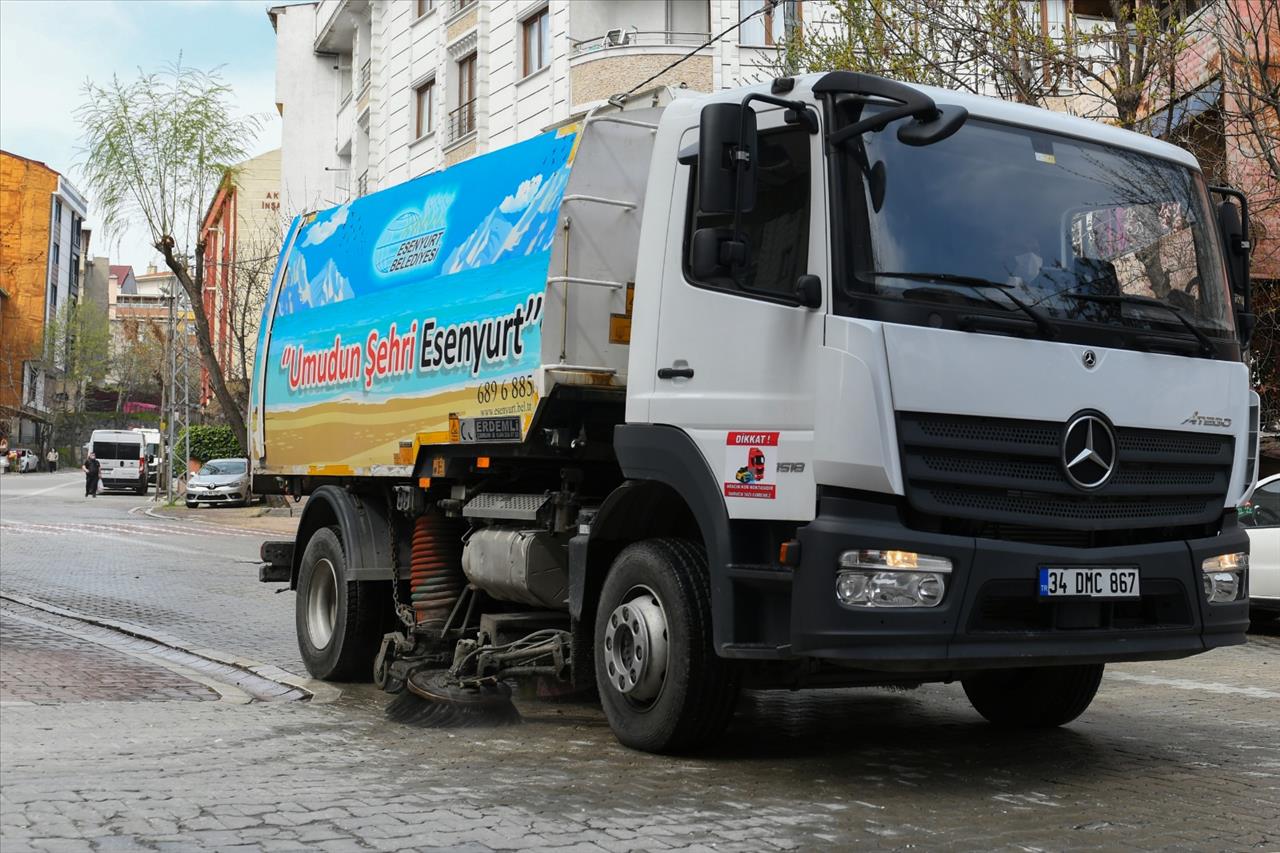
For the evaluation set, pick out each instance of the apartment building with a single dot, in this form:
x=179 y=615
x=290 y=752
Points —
x=241 y=233
x=41 y=232
x=375 y=92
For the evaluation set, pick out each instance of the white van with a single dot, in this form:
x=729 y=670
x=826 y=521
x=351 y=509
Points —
x=151 y=438
x=122 y=455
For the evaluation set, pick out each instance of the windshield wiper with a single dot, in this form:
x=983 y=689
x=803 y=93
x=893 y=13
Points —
x=1206 y=345
x=1043 y=323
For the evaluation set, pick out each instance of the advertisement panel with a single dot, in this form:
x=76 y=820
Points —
x=412 y=310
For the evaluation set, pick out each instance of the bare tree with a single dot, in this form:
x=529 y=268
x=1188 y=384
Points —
x=984 y=46
x=156 y=149
x=1247 y=36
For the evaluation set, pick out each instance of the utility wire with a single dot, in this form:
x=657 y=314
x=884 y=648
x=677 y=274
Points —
x=767 y=7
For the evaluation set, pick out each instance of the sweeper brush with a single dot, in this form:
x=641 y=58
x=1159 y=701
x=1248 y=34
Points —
x=436 y=699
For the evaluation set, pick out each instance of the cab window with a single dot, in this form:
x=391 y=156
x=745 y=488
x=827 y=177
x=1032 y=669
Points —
x=776 y=230
x=1263 y=510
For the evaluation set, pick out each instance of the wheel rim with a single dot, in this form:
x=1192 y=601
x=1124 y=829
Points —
x=322 y=603
x=636 y=647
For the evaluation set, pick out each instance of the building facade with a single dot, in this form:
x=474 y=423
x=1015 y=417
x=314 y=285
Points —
x=41 y=232
x=375 y=92
x=241 y=234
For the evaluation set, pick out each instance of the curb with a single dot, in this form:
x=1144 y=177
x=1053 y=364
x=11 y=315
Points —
x=151 y=512
x=318 y=692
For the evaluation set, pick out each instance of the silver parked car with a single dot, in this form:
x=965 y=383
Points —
x=223 y=481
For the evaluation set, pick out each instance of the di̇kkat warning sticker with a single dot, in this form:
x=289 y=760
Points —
x=750 y=463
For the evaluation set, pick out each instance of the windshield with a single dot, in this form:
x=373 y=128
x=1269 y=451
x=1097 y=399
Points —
x=223 y=466
x=1071 y=229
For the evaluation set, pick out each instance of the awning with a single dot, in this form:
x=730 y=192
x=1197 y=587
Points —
x=1186 y=108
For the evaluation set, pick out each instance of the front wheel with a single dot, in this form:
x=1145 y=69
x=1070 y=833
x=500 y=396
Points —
x=1034 y=697
x=338 y=620
x=662 y=685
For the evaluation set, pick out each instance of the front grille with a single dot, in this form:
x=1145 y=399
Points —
x=1012 y=605
x=1001 y=471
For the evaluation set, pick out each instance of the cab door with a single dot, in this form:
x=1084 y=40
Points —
x=735 y=356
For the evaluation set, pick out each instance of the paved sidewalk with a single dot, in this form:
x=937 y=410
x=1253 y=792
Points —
x=271 y=522
x=45 y=666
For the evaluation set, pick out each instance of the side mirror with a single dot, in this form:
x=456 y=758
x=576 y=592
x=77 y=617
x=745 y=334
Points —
x=1236 y=243
x=727 y=144
x=929 y=129
x=713 y=253
x=1233 y=224
x=809 y=291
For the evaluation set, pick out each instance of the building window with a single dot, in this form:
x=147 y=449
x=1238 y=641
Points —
x=536 y=43
x=424 y=96
x=57 y=212
x=773 y=27
x=56 y=250
x=463 y=119
x=422 y=7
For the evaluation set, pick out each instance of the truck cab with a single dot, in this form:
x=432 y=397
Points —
x=841 y=382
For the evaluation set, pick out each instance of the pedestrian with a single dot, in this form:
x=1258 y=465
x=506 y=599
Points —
x=52 y=458
x=91 y=469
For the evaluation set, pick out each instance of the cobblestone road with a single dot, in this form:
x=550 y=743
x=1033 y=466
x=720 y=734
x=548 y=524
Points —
x=1178 y=755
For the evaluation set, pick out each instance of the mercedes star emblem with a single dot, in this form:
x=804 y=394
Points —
x=1090 y=358
x=1088 y=451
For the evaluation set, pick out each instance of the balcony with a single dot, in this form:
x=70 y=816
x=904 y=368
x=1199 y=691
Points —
x=630 y=40
x=605 y=64
x=462 y=121
x=336 y=22
x=366 y=77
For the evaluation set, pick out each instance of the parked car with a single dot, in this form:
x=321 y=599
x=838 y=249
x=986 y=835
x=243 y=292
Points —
x=1260 y=518
x=223 y=481
x=24 y=460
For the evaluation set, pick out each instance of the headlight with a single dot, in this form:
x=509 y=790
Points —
x=869 y=578
x=1225 y=577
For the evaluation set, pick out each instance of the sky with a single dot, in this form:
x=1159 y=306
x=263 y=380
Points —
x=48 y=48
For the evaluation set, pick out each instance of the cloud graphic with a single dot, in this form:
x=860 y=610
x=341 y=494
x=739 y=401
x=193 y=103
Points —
x=524 y=194
x=321 y=231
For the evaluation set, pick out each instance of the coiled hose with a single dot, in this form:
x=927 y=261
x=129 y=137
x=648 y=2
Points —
x=435 y=568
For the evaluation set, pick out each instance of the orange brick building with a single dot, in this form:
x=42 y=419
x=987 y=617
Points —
x=27 y=189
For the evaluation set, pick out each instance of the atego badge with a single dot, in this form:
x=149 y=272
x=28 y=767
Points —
x=750 y=462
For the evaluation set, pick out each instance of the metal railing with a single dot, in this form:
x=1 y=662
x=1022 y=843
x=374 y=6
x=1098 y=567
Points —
x=362 y=184
x=462 y=120
x=366 y=77
x=631 y=37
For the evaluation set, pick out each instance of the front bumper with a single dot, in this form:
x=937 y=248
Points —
x=223 y=494
x=991 y=615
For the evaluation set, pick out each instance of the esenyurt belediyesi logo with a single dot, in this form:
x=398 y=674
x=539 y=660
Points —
x=412 y=238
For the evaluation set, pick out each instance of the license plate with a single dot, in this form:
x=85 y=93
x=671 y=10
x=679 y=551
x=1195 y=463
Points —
x=1088 y=582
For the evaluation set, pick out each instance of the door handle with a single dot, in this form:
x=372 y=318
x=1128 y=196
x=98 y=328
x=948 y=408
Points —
x=675 y=372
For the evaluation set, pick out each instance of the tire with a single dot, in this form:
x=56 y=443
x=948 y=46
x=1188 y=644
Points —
x=339 y=621
x=1033 y=697
x=688 y=703
x=192 y=505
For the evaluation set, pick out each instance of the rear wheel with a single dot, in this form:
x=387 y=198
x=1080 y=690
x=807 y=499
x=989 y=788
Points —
x=662 y=685
x=1034 y=697
x=338 y=620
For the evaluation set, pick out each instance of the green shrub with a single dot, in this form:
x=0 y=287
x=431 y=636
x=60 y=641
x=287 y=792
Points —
x=207 y=442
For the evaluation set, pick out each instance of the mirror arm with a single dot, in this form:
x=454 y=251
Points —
x=876 y=122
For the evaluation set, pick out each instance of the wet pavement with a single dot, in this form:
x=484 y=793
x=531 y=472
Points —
x=1176 y=755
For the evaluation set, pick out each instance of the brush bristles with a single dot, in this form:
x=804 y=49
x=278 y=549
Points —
x=412 y=710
